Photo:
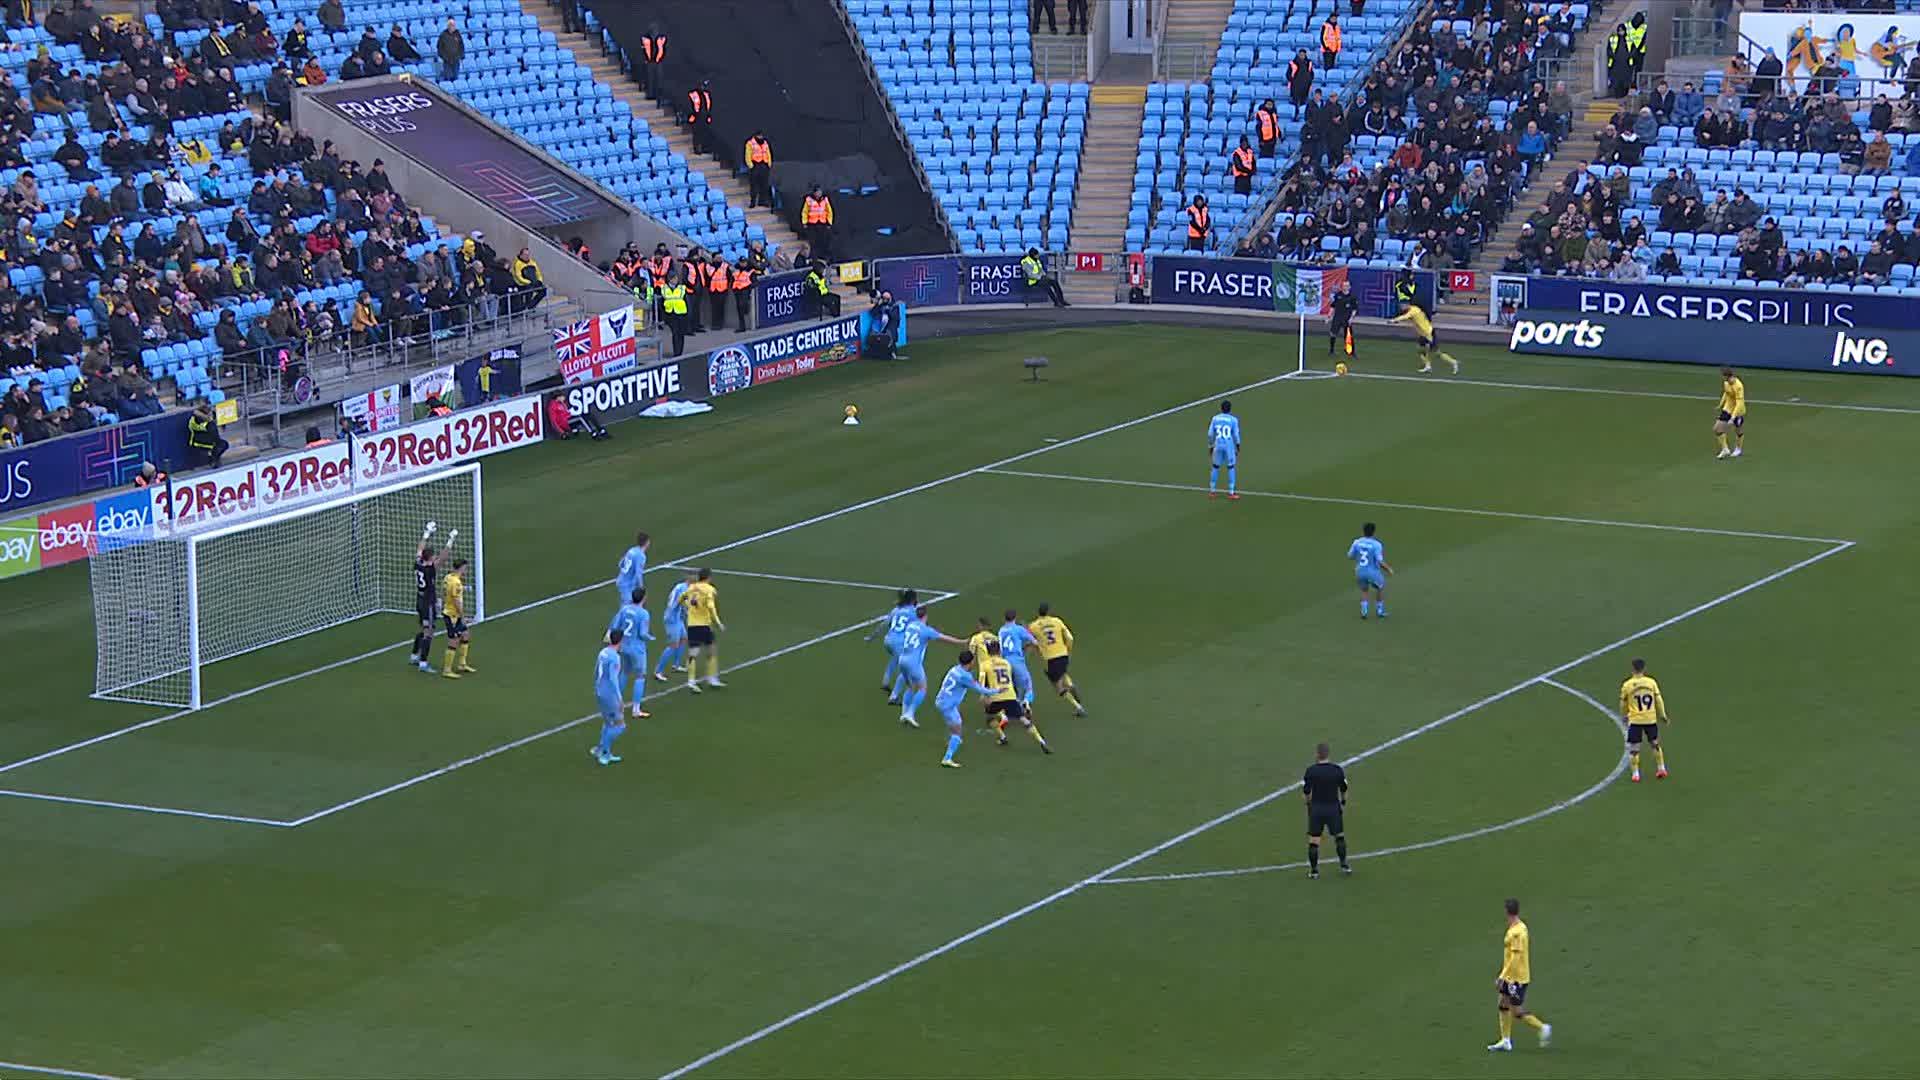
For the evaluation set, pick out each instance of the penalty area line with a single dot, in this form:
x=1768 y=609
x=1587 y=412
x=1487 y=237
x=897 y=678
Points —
x=49 y=1070
x=1218 y=820
x=1619 y=769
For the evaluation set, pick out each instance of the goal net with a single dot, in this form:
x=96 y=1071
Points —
x=167 y=607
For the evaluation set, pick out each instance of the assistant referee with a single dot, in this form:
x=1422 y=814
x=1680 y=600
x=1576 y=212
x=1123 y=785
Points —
x=1324 y=788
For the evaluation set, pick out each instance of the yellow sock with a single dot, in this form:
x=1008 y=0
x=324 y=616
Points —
x=1634 y=760
x=1035 y=732
x=693 y=667
x=1659 y=758
x=1722 y=440
x=446 y=660
x=1506 y=1024
x=1534 y=1022
x=1073 y=697
x=713 y=663
x=1739 y=438
x=462 y=660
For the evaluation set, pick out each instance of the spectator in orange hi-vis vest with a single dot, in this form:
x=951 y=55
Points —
x=1330 y=39
x=700 y=117
x=758 y=157
x=1267 y=115
x=744 y=274
x=816 y=223
x=1240 y=164
x=719 y=284
x=1199 y=224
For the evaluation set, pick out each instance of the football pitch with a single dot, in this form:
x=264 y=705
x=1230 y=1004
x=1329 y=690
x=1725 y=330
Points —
x=346 y=868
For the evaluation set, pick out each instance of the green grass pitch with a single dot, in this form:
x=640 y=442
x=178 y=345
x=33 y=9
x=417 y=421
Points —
x=423 y=888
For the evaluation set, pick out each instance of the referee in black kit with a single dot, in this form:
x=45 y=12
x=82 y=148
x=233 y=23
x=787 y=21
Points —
x=1340 y=323
x=1324 y=787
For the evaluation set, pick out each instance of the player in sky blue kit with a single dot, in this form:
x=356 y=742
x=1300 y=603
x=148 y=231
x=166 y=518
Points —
x=1370 y=569
x=607 y=672
x=1015 y=640
x=897 y=621
x=1223 y=443
x=632 y=623
x=913 y=663
x=674 y=622
x=633 y=566
x=953 y=690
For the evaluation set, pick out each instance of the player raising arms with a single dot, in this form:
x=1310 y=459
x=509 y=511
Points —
x=674 y=621
x=1516 y=971
x=1369 y=569
x=426 y=592
x=1644 y=711
x=453 y=612
x=701 y=602
x=953 y=690
x=1732 y=415
x=631 y=625
x=633 y=566
x=1415 y=317
x=914 y=640
x=608 y=670
x=894 y=626
x=1223 y=446
x=1056 y=648
x=1004 y=702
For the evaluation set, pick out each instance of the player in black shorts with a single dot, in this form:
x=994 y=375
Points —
x=426 y=595
x=1324 y=789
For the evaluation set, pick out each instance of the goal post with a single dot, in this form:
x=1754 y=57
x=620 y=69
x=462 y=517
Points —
x=168 y=606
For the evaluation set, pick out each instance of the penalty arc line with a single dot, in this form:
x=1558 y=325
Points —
x=1230 y=815
x=769 y=534
x=1619 y=769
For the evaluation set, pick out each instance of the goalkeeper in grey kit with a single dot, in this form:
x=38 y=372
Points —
x=426 y=570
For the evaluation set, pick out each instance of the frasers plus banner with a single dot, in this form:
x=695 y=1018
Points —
x=1259 y=285
x=783 y=356
x=779 y=299
x=487 y=165
x=622 y=397
x=76 y=464
x=1773 y=307
x=265 y=485
x=991 y=279
x=1746 y=345
x=927 y=281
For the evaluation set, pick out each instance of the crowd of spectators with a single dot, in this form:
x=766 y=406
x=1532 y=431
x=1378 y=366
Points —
x=139 y=263
x=1585 y=226
x=1455 y=171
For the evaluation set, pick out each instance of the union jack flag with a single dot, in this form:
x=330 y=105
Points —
x=574 y=341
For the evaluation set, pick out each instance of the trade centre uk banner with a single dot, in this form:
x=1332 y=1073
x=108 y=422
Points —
x=783 y=356
x=1843 y=349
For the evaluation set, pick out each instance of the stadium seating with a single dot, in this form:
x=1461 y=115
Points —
x=518 y=75
x=1190 y=128
x=1817 y=204
x=1002 y=151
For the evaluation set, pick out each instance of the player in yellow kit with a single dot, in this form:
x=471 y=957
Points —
x=1423 y=330
x=983 y=635
x=1732 y=415
x=1644 y=711
x=701 y=602
x=1516 y=972
x=1056 y=648
x=1004 y=704
x=453 y=613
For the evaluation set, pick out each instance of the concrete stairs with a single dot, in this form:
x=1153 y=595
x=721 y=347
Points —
x=661 y=121
x=1197 y=23
x=1105 y=191
x=1590 y=114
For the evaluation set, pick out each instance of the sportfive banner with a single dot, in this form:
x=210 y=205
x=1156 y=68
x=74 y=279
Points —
x=783 y=356
x=595 y=347
x=622 y=397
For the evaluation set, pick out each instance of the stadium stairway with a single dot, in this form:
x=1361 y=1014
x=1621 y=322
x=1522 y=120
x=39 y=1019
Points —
x=1105 y=191
x=1198 y=24
x=1590 y=114
x=662 y=122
